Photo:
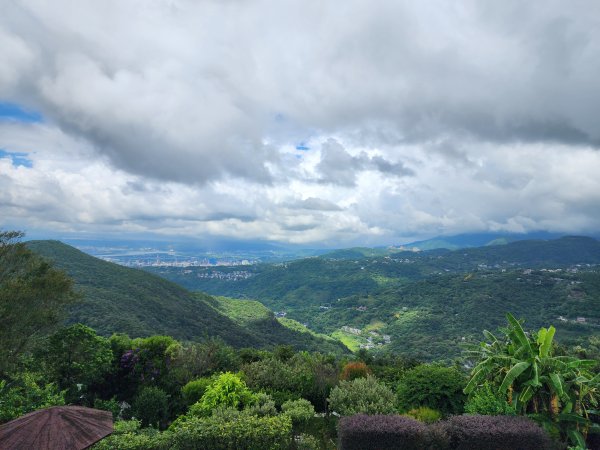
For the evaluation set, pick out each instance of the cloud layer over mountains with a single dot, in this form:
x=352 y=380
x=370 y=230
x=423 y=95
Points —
x=300 y=121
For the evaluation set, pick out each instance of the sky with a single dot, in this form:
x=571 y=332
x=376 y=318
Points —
x=302 y=122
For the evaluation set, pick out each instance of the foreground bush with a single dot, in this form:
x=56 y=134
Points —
x=362 y=432
x=226 y=391
x=221 y=432
x=195 y=389
x=128 y=436
x=457 y=433
x=26 y=393
x=492 y=432
x=424 y=414
x=362 y=396
x=151 y=407
x=433 y=386
x=244 y=432
x=299 y=411
x=487 y=402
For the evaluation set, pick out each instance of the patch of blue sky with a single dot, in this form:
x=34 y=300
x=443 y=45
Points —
x=302 y=146
x=12 y=111
x=18 y=159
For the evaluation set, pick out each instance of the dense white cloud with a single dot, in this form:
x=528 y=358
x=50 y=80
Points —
x=183 y=117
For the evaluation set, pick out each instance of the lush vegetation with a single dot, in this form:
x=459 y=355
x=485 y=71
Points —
x=426 y=303
x=119 y=299
x=560 y=391
x=171 y=393
x=32 y=298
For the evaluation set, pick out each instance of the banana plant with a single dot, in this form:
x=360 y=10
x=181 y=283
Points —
x=559 y=390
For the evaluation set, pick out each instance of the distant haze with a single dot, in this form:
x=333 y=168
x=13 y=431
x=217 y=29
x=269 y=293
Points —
x=299 y=122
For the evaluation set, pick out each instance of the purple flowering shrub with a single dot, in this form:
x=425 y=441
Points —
x=456 y=433
x=361 y=432
x=496 y=433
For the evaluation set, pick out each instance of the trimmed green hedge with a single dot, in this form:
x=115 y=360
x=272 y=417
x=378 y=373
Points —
x=245 y=432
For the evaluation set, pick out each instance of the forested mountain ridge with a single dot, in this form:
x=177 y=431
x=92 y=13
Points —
x=120 y=299
x=425 y=302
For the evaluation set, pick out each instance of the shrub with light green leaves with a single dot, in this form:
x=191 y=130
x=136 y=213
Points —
x=227 y=390
x=487 y=402
x=300 y=411
x=362 y=395
x=425 y=414
x=127 y=435
x=245 y=431
x=263 y=405
x=25 y=393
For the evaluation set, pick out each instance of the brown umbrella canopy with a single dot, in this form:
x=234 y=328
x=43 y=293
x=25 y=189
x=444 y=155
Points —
x=57 y=428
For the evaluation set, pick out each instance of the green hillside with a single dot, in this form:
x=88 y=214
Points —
x=425 y=302
x=120 y=299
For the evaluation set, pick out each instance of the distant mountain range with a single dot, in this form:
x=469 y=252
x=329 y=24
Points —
x=120 y=299
x=479 y=240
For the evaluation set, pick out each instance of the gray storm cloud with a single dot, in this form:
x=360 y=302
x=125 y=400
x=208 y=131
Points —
x=188 y=91
x=433 y=115
x=337 y=166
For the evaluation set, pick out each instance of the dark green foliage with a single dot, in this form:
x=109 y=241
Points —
x=362 y=432
x=362 y=396
x=33 y=297
x=124 y=300
x=428 y=301
x=494 y=432
x=213 y=355
x=194 y=390
x=111 y=405
x=119 y=299
x=304 y=375
x=593 y=440
x=434 y=386
x=151 y=407
x=76 y=355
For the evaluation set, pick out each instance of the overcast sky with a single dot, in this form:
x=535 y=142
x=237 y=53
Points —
x=309 y=122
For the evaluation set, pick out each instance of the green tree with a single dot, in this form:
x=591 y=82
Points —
x=151 y=407
x=362 y=396
x=33 y=296
x=434 y=386
x=77 y=355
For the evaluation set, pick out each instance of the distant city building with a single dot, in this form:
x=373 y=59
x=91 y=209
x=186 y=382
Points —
x=351 y=330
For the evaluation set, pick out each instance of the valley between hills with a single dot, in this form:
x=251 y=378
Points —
x=421 y=305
